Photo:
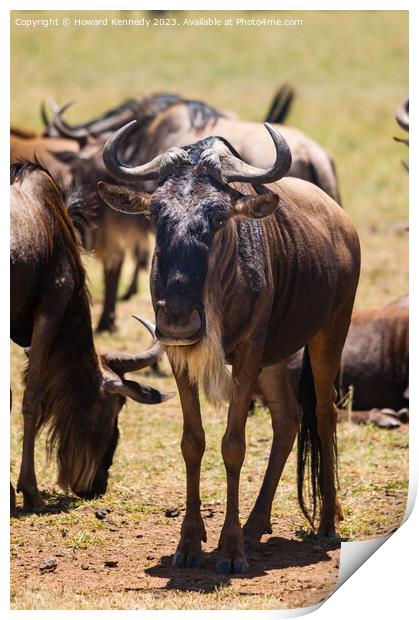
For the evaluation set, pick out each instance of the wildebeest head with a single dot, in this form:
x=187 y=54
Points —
x=114 y=392
x=192 y=203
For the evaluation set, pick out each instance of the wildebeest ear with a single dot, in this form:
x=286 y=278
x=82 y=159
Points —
x=124 y=199
x=256 y=206
x=137 y=391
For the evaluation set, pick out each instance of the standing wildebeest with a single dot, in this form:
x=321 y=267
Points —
x=189 y=121
x=246 y=274
x=375 y=358
x=77 y=393
x=172 y=128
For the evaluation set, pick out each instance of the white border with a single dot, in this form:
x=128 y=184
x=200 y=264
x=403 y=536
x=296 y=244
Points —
x=386 y=586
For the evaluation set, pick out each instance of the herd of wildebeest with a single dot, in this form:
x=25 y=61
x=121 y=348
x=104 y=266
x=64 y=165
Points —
x=253 y=280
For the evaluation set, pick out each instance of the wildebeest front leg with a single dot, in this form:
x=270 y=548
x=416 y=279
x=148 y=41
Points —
x=112 y=273
x=277 y=392
x=193 y=532
x=44 y=331
x=245 y=370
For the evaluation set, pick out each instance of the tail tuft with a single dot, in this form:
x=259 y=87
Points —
x=309 y=453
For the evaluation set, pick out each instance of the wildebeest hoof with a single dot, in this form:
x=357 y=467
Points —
x=248 y=544
x=231 y=546
x=129 y=293
x=182 y=560
x=33 y=503
x=188 y=552
x=253 y=530
x=326 y=531
x=235 y=567
x=106 y=326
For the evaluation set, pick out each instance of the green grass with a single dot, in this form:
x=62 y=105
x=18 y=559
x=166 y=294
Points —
x=351 y=71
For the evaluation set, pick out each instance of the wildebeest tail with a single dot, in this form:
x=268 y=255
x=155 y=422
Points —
x=281 y=104
x=309 y=453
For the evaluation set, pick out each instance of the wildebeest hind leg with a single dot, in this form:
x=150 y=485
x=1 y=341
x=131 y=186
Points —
x=188 y=551
x=325 y=351
x=273 y=383
x=133 y=286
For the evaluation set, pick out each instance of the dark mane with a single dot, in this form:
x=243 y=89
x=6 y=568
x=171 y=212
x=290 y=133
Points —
x=70 y=408
x=147 y=108
x=201 y=114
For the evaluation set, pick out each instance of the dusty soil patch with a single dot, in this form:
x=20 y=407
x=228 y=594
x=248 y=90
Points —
x=284 y=570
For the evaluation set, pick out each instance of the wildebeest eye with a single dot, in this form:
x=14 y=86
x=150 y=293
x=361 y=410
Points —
x=218 y=221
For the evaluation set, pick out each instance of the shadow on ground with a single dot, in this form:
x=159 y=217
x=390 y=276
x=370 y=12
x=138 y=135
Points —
x=55 y=503
x=276 y=553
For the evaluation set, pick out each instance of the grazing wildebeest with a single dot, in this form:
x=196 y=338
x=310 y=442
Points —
x=375 y=358
x=68 y=387
x=246 y=273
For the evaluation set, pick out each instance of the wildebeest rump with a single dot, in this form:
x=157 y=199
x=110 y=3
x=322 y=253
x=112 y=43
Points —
x=246 y=273
x=68 y=387
x=26 y=146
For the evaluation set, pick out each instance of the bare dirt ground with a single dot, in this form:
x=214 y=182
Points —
x=289 y=569
x=129 y=567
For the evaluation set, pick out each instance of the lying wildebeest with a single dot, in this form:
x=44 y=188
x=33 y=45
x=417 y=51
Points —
x=68 y=387
x=375 y=358
x=246 y=274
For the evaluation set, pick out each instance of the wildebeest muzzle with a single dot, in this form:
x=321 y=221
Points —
x=181 y=327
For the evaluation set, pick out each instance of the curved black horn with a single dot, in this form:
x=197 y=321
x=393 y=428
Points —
x=123 y=362
x=158 y=168
x=402 y=115
x=74 y=133
x=224 y=166
x=44 y=114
